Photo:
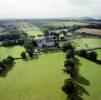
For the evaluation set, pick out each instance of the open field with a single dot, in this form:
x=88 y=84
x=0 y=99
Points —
x=30 y=29
x=41 y=79
x=99 y=54
x=91 y=72
x=35 y=33
x=14 y=51
x=66 y=23
x=92 y=31
x=86 y=43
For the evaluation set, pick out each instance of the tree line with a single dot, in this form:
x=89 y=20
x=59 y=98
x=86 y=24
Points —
x=72 y=85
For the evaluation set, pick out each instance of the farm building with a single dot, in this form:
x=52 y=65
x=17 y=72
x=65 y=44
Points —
x=45 y=42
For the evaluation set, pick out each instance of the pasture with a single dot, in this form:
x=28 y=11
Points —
x=30 y=29
x=68 y=23
x=13 y=51
x=38 y=79
x=42 y=79
x=84 y=43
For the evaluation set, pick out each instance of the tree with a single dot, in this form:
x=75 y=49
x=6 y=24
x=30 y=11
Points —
x=92 y=56
x=69 y=88
x=30 y=54
x=70 y=54
x=8 y=61
x=11 y=58
x=71 y=68
x=2 y=66
x=23 y=55
x=67 y=46
x=28 y=44
x=83 y=53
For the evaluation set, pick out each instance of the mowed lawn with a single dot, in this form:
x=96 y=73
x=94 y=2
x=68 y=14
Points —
x=42 y=78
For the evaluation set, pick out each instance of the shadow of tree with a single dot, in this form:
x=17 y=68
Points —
x=6 y=70
x=79 y=83
x=35 y=56
x=79 y=91
x=82 y=80
x=98 y=62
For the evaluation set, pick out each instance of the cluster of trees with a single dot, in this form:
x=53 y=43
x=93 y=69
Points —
x=6 y=63
x=9 y=37
x=72 y=87
x=24 y=55
x=85 y=34
x=92 y=55
x=12 y=42
x=93 y=26
x=71 y=68
x=28 y=44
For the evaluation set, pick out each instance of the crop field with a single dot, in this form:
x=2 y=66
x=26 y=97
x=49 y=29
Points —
x=88 y=30
x=86 y=43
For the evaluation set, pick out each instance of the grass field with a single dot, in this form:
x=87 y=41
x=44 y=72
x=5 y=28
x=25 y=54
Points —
x=39 y=79
x=87 y=43
x=14 y=51
x=30 y=29
x=99 y=54
x=91 y=72
x=66 y=23
x=35 y=33
x=42 y=79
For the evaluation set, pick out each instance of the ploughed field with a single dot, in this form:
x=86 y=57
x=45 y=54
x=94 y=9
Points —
x=91 y=31
x=42 y=78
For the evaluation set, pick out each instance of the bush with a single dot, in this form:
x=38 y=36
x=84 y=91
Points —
x=92 y=56
x=23 y=55
x=83 y=53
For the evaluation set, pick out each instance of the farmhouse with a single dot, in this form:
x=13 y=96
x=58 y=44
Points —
x=45 y=42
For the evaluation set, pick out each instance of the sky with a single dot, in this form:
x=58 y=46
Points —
x=49 y=8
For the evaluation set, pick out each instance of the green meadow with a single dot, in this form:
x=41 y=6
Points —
x=42 y=78
x=66 y=23
x=84 y=43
